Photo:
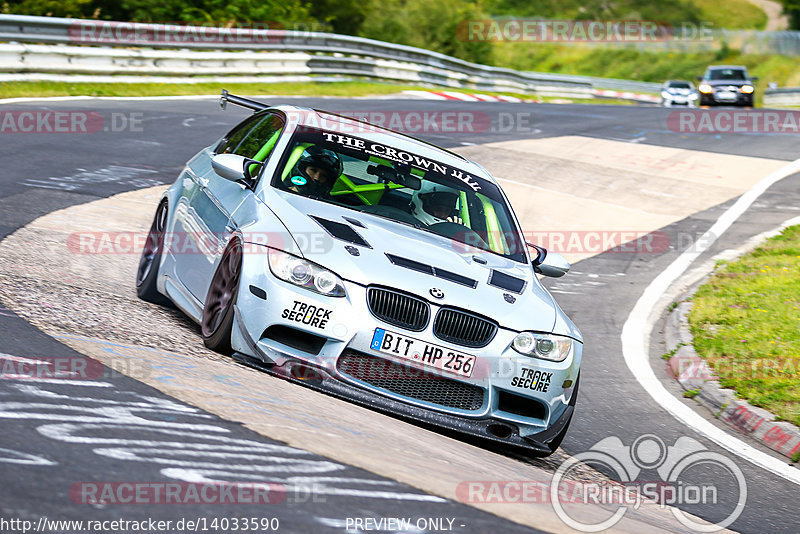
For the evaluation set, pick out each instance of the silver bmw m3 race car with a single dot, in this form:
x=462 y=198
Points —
x=370 y=265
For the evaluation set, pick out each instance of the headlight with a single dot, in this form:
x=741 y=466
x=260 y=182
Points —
x=545 y=346
x=305 y=274
x=747 y=89
x=665 y=94
x=704 y=88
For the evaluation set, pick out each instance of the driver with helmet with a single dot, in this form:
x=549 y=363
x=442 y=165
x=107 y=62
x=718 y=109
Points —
x=435 y=204
x=315 y=172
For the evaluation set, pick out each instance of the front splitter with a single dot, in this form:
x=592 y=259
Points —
x=475 y=430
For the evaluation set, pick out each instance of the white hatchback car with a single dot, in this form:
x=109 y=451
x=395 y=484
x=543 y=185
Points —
x=678 y=93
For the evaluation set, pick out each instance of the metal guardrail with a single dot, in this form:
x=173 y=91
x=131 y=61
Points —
x=784 y=96
x=322 y=54
x=264 y=51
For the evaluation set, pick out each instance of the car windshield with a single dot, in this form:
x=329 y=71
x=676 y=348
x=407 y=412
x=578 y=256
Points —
x=374 y=178
x=726 y=74
x=679 y=85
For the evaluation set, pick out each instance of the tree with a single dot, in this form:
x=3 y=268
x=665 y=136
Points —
x=47 y=8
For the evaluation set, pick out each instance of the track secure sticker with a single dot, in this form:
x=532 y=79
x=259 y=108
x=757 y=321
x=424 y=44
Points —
x=532 y=379
x=299 y=180
x=307 y=314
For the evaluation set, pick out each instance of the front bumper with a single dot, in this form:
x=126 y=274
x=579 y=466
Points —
x=511 y=406
x=678 y=100
x=726 y=98
x=486 y=431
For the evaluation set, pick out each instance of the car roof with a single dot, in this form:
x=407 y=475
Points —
x=302 y=116
x=715 y=67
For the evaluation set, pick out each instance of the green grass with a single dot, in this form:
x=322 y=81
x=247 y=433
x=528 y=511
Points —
x=340 y=89
x=632 y=64
x=44 y=89
x=736 y=14
x=34 y=89
x=668 y=355
x=746 y=323
x=733 y=14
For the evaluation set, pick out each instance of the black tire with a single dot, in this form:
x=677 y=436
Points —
x=217 y=322
x=147 y=273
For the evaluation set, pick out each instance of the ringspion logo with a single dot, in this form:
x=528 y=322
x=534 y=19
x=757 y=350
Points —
x=676 y=481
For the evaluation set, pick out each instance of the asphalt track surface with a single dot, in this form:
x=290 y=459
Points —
x=39 y=176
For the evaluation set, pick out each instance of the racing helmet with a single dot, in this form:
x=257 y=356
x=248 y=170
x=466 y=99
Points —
x=434 y=203
x=327 y=161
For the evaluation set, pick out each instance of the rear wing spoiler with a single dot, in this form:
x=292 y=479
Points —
x=226 y=97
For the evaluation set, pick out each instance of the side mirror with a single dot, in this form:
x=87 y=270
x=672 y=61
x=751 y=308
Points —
x=699 y=78
x=550 y=264
x=235 y=168
x=229 y=166
x=754 y=79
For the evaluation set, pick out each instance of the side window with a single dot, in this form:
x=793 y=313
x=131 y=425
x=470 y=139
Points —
x=259 y=142
x=235 y=136
x=254 y=138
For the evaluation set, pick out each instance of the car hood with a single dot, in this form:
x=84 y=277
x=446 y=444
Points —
x=531 y=309
x=678 y=91
x=733 y=83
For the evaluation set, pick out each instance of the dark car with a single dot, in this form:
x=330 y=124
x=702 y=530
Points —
x=726 y=85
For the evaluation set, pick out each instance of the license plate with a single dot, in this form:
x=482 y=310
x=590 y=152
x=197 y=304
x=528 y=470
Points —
x=726 y=95
x=415 y=350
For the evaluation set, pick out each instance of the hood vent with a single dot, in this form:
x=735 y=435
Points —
x=341 y=231
x=507 y=282
x=431 y=270
x=354 y=222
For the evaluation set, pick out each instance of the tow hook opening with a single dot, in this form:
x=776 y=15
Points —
x=299 y=371
x=500 y=430
x=306 y=373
